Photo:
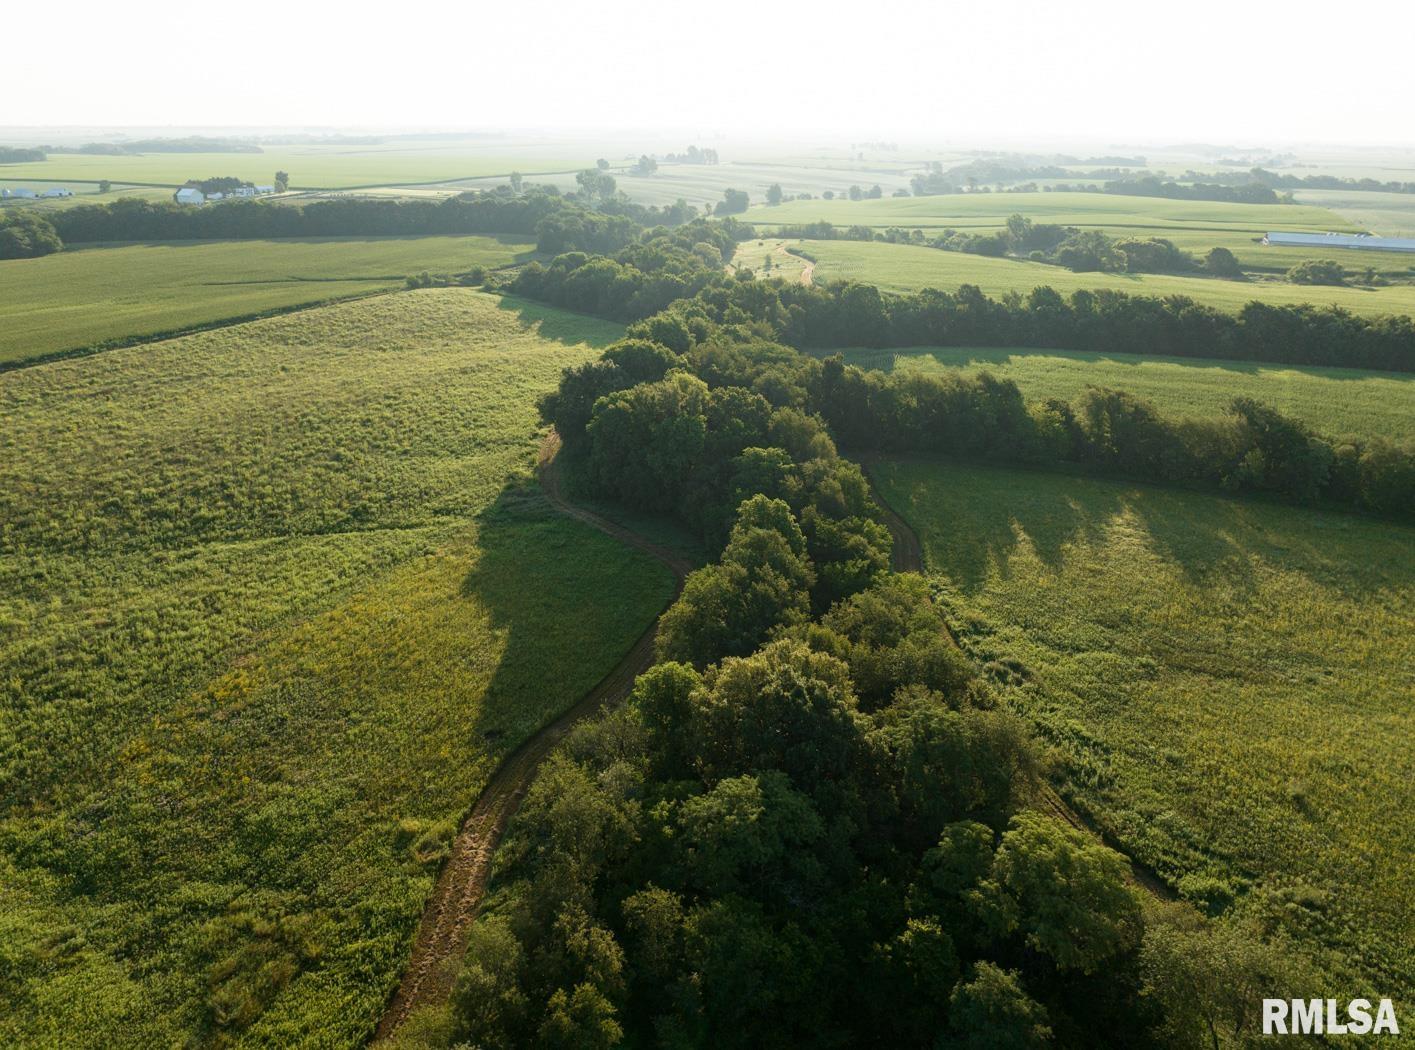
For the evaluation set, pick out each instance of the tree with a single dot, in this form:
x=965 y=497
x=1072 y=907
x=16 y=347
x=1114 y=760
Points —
x=1222 y=263
x=1072 y=899
x=875 y=192
x=856 y=193
x=646 y=165
x=104 y=185
x=602 y=164
x=774 y=194
x=25 y=235
x=733 y=202
x=282 y=181
x=1317 y=271
x=516 y=181
x=993 y=1012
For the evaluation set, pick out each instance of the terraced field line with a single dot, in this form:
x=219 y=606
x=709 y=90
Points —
x=456 y=899
x=908 y=556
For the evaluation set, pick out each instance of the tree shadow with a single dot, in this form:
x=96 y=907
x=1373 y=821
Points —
x=972 y=357
x=565 y=601
x=1204 y=536
x=562 y=326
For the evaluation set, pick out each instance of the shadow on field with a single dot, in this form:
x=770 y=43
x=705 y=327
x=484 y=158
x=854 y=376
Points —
x=562 y=326
x=565 y=602
x=983 y=357
x=989 y=515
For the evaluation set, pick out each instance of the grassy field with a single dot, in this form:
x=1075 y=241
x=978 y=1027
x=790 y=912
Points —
x=1388 y=214
x=83 y=296
x=318 y=166
x=907 y=268
x=1335 y=401
x=990 y=211
x=273 y=601
x=1227 y=685
x=1195 y=226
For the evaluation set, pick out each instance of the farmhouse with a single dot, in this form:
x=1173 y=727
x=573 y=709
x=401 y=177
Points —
x=1341 y=240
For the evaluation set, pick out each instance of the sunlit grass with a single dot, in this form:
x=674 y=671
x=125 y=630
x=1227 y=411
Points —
x=273 y=601
x=1227 y=685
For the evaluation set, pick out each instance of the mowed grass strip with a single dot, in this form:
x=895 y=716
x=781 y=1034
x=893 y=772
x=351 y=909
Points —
x=82 y=296
x=1337 y=402
x=273 y=602
x=1227 y=685
x=908 y=268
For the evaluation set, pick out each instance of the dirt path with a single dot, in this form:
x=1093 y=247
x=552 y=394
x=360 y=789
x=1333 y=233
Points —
x=908 y=556
x=442 y=934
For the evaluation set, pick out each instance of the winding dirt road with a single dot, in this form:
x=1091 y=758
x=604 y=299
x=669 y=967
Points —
x=447 y=918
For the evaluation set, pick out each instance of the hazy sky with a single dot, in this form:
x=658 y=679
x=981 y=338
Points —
x=1243 y=71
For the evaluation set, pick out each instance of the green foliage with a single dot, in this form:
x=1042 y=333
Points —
x=992 y=1012
x=25 y=235
x=1317 y=271
x=1337 y=402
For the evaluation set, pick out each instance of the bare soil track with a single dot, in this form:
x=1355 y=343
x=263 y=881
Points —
x=457 y=897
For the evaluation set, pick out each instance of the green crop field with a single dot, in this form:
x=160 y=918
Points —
x=1226 y=685
x=1388 y=214
x=907 y=268
x=274 y=600
x=1335 y=401
x=990 y=210
x=317 y=166
x=1195 y=226
x=83 y=296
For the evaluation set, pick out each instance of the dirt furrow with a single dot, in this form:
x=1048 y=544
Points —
x=456 y=898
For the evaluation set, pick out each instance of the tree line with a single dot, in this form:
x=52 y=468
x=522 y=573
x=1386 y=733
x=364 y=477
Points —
x=809 y=825
x=559 y=224
x=850 y=314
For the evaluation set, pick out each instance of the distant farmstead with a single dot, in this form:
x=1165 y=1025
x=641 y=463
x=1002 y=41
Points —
x=19 y=192
x=57 y=191
x=193 y=193
x=1341 y=240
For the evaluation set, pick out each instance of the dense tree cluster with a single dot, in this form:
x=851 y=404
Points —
x=18 y=155
x=652 y=440
x=808 y=824
x=26 y=235
x=558 y=223
x=1153 y=186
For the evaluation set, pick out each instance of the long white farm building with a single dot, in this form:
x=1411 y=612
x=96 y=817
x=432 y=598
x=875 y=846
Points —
x=1341 y=240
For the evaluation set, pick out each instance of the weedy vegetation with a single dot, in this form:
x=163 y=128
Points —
x=275 y=601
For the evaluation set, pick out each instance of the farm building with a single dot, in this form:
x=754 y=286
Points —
x=189 y=195
x=1341 y=240
x=57 y=191
x=20 y=192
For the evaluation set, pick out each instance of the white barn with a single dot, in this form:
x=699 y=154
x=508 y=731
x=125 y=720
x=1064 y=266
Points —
x=21 y=192
x=57 y=191
x=189 y=195
x=1341 y=240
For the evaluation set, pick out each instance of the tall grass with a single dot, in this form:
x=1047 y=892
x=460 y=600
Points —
x=1225 y=685
x=273 y=601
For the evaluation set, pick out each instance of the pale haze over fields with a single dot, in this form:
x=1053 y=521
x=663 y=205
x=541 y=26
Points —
x=913 y=69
